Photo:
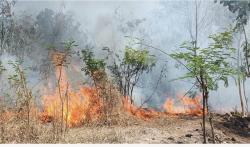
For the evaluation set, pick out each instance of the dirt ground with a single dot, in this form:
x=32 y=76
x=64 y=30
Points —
x=175 y=130
x=163 y=130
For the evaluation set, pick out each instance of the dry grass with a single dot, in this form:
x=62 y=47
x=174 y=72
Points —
x=162 y=130
x=128 y=130
x=118 y=126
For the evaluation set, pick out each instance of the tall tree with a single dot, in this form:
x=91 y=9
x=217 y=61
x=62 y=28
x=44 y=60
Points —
x=242 y=11
x=6 y=26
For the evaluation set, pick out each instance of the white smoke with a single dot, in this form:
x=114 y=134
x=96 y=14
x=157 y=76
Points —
x=166 y=25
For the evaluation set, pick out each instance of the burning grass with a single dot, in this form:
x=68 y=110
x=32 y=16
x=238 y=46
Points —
x=83 y=105
x=142 y=113
x=67 y=107
x=86 y=105
x=186 y=105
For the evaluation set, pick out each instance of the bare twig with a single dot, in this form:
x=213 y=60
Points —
x=157 y=84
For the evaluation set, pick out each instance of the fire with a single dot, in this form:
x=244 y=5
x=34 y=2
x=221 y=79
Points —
x=142 y=113
x=187 y=105
x=76 y=106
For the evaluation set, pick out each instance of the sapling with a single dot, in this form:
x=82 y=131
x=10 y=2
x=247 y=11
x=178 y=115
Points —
x=208 y=66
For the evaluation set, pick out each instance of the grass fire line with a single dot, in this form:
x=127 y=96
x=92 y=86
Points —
x=85 y=105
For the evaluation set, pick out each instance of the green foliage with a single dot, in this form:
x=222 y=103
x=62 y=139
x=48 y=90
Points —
x=128 y=70
x=6 y=27
x=68 y=48
x=69 y=45
x=241 y=7
x=139 y=59
x=18 y=81
x=92 y=64
x=1 y=68
x=209 y=64
x=15 y=78
x=246 y=50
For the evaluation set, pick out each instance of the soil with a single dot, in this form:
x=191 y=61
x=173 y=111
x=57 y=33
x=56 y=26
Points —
x=175 y=130
x=163 y=130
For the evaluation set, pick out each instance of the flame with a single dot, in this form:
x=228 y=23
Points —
x=187 y=105
x=139 y=112
x=85 y=104
x=78 y=106
x=74 y=107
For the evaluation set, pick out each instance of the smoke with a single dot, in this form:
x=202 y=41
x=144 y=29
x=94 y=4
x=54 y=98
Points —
x=163 y=24
x=6 y=59
x=9 y=70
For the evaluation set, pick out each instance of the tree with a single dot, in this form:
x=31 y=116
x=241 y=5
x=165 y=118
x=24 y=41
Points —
x=208 y=66
x=94 y=67
x=22 y=40
x=24 y=94
x=52 y=29
x=240 y=79
x=6 y=26
x=242 y=10
x=60 y=60
x=128 y=72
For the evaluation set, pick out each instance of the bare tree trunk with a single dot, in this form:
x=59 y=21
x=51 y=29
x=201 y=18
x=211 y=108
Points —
x=241 y=98
x=246 y=52
x=245 y=96
x=196 y=26
x=210 y=120
x=2 y=35
x=67 y=107
x=60 y=95
x=204 y=97
x=239 y=83
x=27 y=95
x=212 y=126
x=204 y=116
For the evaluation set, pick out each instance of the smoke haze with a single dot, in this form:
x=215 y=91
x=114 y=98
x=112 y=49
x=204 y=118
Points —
x=163 y=24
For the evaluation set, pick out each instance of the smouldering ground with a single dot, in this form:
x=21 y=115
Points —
x=167 y=130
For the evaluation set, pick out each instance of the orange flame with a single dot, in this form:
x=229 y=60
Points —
x=139 y=112
x=85 y=104
x=188 y=105
x=78 y=106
